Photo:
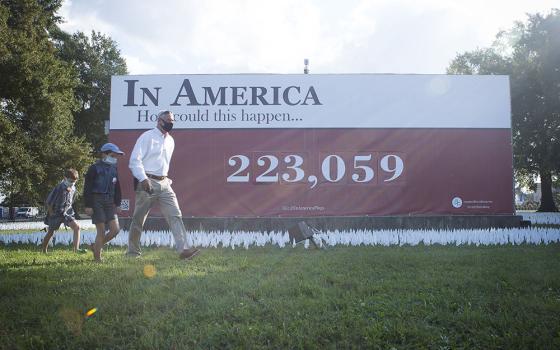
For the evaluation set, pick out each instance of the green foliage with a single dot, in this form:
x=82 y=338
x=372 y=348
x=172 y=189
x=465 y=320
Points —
x=96 y=59
x=54 y=98
x=530 y=54
x=536 y=94
x=36 y=104
x=482 y=61
x=424 y=297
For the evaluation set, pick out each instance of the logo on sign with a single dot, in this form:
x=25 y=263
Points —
x=457 y=202
x=125 y=204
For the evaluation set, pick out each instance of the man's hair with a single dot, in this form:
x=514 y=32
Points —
x=164 y=113
x=71 y=174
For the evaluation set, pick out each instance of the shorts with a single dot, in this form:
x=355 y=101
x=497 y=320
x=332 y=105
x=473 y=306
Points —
x=103 y=209
x=55 y=221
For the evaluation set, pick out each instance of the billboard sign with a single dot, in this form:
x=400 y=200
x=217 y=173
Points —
x=268 y=145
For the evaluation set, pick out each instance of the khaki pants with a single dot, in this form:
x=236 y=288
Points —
x=164 y=195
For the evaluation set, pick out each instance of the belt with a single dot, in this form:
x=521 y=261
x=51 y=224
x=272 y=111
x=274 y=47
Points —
x=155 y=177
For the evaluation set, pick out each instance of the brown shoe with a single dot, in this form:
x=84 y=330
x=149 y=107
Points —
x=188 y=254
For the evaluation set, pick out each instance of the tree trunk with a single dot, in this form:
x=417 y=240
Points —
x=547 y=201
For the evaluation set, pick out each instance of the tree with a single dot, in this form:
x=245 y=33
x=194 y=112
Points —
x=95 y=59
x=36 y=104
x=530 y=54
x=536 y=101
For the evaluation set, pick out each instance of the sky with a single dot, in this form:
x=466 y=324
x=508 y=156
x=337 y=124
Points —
x=270 y=36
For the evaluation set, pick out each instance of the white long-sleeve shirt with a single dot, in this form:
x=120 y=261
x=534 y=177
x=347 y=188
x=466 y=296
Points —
x=151 y=154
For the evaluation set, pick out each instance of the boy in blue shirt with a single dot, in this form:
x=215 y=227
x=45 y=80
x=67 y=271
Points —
x=102 y=196
x=59 y=209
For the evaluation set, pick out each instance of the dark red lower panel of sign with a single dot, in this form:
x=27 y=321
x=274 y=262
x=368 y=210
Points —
x=335 y=172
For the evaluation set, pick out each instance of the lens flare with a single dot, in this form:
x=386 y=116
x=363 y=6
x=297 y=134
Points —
x=72 y=320
x=91 y=312
x=149 y=271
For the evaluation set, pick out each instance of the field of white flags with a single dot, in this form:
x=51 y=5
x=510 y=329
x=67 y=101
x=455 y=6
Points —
x=245 y=240
x=541 y=218
x=39 y=225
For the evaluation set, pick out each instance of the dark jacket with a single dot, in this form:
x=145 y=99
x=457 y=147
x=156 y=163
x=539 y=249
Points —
x=102 y=178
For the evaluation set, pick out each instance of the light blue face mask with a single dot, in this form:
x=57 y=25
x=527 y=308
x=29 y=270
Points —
x=110 y=160
x=68 y=182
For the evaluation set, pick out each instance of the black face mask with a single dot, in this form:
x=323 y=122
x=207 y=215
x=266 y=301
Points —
x=167 y=126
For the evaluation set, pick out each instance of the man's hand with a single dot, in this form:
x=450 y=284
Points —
x=147 y=186
x=89 y=211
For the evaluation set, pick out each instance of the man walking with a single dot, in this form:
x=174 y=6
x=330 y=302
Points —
x=149 y=163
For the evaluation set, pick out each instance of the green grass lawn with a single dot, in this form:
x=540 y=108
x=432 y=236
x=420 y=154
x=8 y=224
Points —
x=346 y=297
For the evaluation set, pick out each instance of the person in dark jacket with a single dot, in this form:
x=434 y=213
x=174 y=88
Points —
x=102 y=196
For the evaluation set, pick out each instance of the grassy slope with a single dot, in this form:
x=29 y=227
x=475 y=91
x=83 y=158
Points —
x=374 y=297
